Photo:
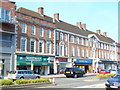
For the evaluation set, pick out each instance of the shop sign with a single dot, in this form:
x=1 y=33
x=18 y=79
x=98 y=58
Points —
x=82 y=61
x=31 y=58
x=62 y=60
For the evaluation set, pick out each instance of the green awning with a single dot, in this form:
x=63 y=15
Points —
x=34 y=63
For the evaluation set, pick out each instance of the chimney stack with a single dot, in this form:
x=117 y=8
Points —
x=41 y=11
x=79 y=24
x=105 y=34
x=56 y=16
x=84 y=26
x=98 y=32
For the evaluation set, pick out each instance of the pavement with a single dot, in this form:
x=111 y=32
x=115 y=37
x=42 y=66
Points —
x=62 y=75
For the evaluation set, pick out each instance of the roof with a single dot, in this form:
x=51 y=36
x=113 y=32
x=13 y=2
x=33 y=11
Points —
x=74 y=29
x=34 y=14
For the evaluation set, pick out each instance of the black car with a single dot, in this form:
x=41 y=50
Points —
x=74 y=72
x=113 y=83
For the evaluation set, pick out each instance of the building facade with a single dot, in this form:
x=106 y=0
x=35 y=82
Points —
x=35 y=41
x=79 y=47
x=7 y=36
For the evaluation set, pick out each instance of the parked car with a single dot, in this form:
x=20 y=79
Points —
x=104 y=71
x=22 y=74
x=74 y=72
x=113 y=82
x=113 y=71
x=1 y=77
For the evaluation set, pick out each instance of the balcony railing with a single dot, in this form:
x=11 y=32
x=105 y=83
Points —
x=11 y=20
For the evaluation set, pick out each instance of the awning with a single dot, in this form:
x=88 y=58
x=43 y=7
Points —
x=34 y=63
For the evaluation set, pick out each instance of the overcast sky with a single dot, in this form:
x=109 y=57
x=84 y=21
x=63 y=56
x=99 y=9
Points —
x=97 y=15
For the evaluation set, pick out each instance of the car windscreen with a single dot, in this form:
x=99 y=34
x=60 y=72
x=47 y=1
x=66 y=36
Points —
x=69 y=69
x=116 y=77
x=12 y=72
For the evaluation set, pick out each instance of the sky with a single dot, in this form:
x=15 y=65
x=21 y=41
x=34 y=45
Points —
x=96 y=15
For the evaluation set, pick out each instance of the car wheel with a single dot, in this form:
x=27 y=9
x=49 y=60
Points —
x=75 y=76
x=67 y=76
x=21 y=77
x=37 y=77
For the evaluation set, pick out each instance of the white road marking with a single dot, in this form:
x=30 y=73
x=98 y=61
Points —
x=93 y=86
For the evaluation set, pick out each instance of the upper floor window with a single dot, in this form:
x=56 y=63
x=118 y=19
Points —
x=77 y=40
x=48 y=47
x=65 y=37
x=32 y=45
x=78 y=52
x=82 y=41
x=86 y=42
x=49 y=34
x=73 y=52
x=33 y=30
x=41 y=32
x=86 y=53
x=24 y=28
x=72 y=39
x=61 y=36
x=57 y=49
x=23 y=44
x=41 y=46
x=5 y=15
x=57 y=35
x=82 y=52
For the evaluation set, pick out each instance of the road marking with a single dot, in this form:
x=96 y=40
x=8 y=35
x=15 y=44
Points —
x=92 y=86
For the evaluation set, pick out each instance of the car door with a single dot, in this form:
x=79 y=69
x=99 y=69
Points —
x=31 y=76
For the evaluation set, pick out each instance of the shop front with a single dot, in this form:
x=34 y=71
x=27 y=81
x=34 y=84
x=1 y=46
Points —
x=107 y=64
x=61 y=64
x=84 y=64
x=39 y=64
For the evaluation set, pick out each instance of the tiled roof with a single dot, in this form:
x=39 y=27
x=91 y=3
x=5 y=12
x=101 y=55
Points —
x=72 y=28
x=34 y=14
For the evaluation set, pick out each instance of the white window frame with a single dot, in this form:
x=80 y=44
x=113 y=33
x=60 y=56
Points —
x=86 y=53
x=86 y=42
x=57 y=49
x=49 y=33
x=34 y=44
x=23 y=38
x=82 y=41
x=50 y=49
x=41 y=31
x=61 y=36
x=83 y=53
x=73 y=51
x=41 y=41
x=78 y=52
x=77 y=40
x=57 y=35
x=24 y=28
x=72 y=39
x=33 y=30
x=65 y=37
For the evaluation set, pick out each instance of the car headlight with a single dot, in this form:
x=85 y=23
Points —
x=116 y=84
x=106 y=82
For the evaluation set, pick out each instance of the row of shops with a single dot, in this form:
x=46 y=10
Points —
x=45 y=65
x=55 y=65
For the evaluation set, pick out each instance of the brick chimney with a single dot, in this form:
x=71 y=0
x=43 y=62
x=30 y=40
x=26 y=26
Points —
x=56 y=16
x=79 y=25
x=105 y=34
x=41 y=11
x=98 y=32
x=84 y=26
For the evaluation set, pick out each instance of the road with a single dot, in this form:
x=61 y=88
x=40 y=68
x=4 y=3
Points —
x=81 y=82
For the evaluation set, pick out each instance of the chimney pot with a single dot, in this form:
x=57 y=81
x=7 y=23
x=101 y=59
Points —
x=98 y=32
x=84 y=26
x=105 y=34
x=56 y=16
x=79 y=24
x=41 y=11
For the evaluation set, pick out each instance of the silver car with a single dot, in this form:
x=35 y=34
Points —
x=22 y=74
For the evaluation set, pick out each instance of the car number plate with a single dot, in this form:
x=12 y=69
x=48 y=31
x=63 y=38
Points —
x=11 y=75
x=67 y=72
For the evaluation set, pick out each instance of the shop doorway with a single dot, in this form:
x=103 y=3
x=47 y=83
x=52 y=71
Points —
x=86 y=68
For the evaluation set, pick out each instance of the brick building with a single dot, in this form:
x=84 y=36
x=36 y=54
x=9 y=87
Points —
x=35 y=41
x=77 y=46
x=7 y=36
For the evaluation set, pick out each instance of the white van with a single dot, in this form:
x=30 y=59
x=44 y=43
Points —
x=22 y=74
